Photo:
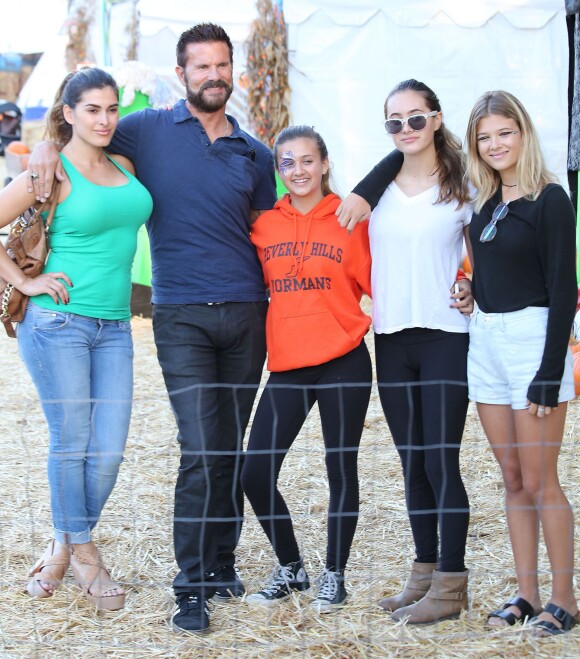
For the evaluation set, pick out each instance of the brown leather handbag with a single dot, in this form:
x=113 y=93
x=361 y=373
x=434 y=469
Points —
x=27 y=246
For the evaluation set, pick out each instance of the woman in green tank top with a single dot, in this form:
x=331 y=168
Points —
x=75 y=339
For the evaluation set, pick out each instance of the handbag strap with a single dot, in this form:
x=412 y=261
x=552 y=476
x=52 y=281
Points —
x=53 y=200
x=50 y=203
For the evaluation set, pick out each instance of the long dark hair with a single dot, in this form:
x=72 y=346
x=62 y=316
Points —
x=450 y=157
x=302 y=131
x=69 y=93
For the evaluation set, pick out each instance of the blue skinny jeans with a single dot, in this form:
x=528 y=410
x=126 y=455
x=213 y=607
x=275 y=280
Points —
x=83 y=371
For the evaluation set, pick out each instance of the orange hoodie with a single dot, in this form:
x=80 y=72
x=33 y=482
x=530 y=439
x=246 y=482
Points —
x=316 y=272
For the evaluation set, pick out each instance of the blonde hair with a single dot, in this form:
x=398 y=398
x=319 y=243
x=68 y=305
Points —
x=531 y=171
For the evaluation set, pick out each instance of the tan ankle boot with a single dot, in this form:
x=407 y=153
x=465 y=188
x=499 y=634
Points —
x=415 y=588
x=445 y=600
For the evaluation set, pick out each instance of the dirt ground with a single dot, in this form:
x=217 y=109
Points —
x=135 y=535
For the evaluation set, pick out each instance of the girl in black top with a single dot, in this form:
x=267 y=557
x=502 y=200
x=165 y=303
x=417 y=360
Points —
x=523 y=239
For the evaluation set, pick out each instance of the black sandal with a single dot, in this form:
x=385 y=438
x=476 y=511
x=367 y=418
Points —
x=547 y=628
x=526 y=611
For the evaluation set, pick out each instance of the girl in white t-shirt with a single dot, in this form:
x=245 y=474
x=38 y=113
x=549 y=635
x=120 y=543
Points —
x=421 y=339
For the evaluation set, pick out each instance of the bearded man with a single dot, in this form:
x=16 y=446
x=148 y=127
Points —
x=209 y=180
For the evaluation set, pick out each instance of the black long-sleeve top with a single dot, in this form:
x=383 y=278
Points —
x=379 y=178
x=531 y=262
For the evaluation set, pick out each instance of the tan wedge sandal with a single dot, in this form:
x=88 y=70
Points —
x=49 y=569
x=92 y=577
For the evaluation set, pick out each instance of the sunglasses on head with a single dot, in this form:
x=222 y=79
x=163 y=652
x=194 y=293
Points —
x=488 y=234
x=415 y=121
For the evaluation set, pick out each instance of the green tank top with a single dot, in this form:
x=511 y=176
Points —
x=93 y=238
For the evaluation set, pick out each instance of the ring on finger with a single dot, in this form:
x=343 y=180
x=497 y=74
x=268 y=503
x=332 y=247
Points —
x=34 y=177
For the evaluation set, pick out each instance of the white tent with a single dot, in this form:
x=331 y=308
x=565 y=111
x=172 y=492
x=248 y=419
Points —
x=28 y=26
x=38 y=92
x=347 y=55
x=160 y=24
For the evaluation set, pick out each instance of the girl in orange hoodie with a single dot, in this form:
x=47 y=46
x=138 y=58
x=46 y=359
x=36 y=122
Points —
x=317 y=273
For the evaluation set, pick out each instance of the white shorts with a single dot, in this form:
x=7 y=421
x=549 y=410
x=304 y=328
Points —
x=505 y=352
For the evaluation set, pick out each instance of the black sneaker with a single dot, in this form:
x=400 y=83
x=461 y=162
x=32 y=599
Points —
x=192 y=615
x=331 y=592
x=229 y=587
x=284 y=580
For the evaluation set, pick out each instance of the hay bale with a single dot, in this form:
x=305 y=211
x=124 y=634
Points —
x=136 y=538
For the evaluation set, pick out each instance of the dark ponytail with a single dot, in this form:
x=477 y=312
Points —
x=69 y=93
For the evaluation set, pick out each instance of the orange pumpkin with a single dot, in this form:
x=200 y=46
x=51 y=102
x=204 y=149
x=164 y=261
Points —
x=466 y=267
x=574 y=346
x=577 y=373
x=17 y=147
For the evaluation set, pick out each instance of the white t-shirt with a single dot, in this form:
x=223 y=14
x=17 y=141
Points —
x=416 y=248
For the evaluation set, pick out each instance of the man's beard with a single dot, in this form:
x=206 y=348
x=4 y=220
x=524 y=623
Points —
x=197 y=100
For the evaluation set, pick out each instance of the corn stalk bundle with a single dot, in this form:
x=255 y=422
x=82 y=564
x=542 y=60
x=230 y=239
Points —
x=266 y=76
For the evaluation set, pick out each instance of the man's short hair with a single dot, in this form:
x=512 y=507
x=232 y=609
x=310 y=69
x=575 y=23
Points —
x=202 y=33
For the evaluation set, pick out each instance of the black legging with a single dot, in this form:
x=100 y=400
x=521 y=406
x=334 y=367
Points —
x=282 y=410
x=426 y=418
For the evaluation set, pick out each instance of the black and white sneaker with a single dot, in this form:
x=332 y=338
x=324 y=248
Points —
x=229 y=587
x=284 y=580
x=192 y=614
x=331 y=592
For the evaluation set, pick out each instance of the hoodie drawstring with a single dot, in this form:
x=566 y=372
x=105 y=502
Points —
x=296 y=268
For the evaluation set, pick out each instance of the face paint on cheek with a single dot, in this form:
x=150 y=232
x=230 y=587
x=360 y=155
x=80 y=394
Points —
x=286 y=163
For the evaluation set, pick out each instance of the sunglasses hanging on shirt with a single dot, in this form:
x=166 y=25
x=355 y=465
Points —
x=488 y=234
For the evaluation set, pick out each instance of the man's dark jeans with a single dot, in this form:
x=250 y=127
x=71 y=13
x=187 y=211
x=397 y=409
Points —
x=212 y=358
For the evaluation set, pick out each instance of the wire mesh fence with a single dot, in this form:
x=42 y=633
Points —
x=135 y=536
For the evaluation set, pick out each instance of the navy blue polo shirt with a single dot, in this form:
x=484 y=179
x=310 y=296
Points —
x=202 y=197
